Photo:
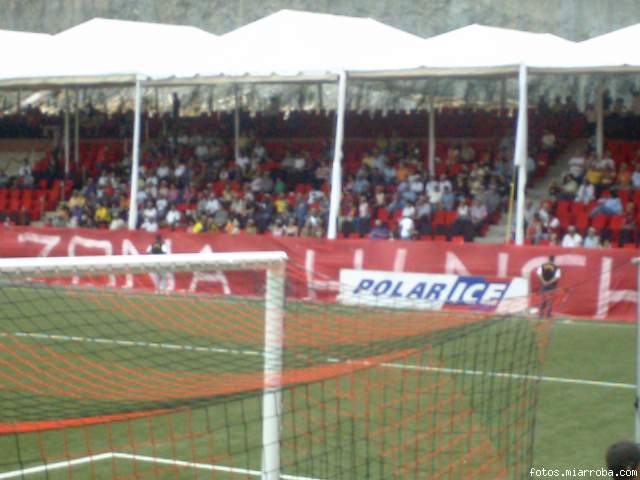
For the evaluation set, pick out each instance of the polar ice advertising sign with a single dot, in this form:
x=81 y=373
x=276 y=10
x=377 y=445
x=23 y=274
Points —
x=424 y=291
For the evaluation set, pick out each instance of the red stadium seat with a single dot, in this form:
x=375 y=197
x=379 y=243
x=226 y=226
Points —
x=383 y=214
x=599 y=222
x=582 y=222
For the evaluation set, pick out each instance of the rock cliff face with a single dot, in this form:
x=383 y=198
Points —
x=572 y=19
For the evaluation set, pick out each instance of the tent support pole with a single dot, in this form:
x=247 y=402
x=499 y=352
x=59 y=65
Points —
x=521 y=153
x=636 y=261
x=19 y=102
x=135 y=158
x=336 y=170
x=76 y=132
x=599 y=119
x=156 y=97
x=212 y=90
x=503 y=94
x=236 y=122
x=320 y=96
x=432 y=138
x=67 y=140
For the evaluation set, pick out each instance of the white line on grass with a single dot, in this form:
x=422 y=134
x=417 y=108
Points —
x=518 y=376
x=458 y=371
x=130 y=343
x=596 y=323
x=140 y=458
x=56 y=466
x=204 y=466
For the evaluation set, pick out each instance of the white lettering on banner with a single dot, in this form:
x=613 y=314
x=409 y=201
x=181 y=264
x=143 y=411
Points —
x=358 y=258
x=400 y=260
x=128 y=248
x=90 y=243
x=209 y=277
x=454 y=266
x=606 y=296
x=425 y=291
x=503 y=264
x=48 y=242
x=312 y=284
x=309 y=264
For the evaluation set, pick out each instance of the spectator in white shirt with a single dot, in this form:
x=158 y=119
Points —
x=180 y=171
x=118 y=223
x=635 y=177
x=591 y=240
x=586 y=193
x=201 y=151
x=243 y=161
x=548 y=140
x=478 y=213
x=409 y=210
x=406 y=228
x=25 y=169
x=259 y=151
x=444 y=182
x=299 y=163
x=577 y=166
x=256 y=185
x=150 y=212
x=161 y=204
x=173 y=217
x=431 y=186
x=212 y=205
x=163 y=171
x=463 y=211
x=571 y=238
x=103 y=180
x=606 y=161
x=416 y=185
x=435 y=197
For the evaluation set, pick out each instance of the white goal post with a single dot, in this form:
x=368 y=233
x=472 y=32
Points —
x=273 y=263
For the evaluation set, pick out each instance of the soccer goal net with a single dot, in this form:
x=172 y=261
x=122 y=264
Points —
x=108 y=370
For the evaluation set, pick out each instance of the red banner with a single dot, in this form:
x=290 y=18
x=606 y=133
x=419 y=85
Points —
x=598 y=283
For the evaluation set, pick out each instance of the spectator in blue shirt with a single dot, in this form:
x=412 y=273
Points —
x=379 y=231
x=608 y=206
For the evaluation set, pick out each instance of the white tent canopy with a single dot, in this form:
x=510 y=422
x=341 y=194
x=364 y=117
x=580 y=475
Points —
x=108 y=52
x=292 y=45
x=473 y=50
x=614 y=52
x=10 y=37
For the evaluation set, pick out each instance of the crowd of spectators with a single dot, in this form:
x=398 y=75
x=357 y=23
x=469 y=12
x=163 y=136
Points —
x=194 y=182
x=187 y=183
x=593 y=204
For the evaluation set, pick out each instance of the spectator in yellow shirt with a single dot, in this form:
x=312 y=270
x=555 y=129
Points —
x=281 y=205
x=102 y=215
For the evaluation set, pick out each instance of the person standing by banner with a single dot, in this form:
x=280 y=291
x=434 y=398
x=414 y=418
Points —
x=549 y=275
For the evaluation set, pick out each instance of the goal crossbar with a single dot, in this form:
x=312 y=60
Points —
x=114 y=264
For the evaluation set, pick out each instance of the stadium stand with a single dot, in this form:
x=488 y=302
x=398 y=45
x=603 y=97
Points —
x=280 y=182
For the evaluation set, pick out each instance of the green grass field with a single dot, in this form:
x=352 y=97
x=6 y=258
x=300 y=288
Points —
x=83 y=354
x=576 y=423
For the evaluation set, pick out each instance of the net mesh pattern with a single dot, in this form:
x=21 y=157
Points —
x=101 y=382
